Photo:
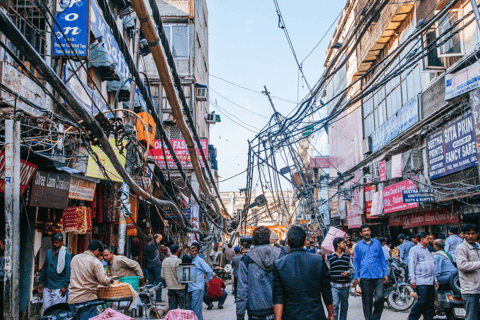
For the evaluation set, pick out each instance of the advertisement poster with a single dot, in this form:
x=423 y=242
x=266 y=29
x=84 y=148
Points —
x=181 y=151
x=27 y=171
x=93 y=170
x=462 y=81
x=377 y=204
x=333 y=196
x=459 y=147
x=397 y=166
x=393 y=198
x=383 y=170
x=72 y=18
x=369 y=191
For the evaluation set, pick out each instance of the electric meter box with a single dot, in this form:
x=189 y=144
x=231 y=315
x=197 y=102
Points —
x=151 y=127
x=187 y=273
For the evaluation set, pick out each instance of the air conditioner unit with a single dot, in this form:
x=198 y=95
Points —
x=201 y=92
x=212 y=118
x=413 y=160
x=367 y=146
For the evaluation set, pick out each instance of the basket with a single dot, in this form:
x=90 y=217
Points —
x=114 y=291
x=133 y=281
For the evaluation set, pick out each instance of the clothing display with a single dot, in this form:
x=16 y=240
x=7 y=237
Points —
x=77 y=220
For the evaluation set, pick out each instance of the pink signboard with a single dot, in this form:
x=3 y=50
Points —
x=383 y=170
x=394 y=221
x=397 y=166
x=392 y=197
x=319 y=162
x=181 y=151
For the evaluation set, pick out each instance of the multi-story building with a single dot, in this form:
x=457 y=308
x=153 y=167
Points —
x=406 y=105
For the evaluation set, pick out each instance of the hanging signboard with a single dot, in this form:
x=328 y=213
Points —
x=462 y=81
x=383 y=170
x=369 y=191
x=27 y=171
x=50 y=190
x=81 y=189
x=170 y=214
x=394 y=221
x=431 y=217
x=406 y=117
x=397 y=168
x=418 y=195
x=181 y=151
x=392 y=197
x=459 y=147
x=72 y=19
x=93 y=169
x=354 y=216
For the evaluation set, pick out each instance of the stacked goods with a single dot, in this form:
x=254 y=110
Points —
x=115 y=291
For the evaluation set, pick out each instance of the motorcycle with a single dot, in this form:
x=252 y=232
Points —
x=450 y=302
x=397 y=291
x=62 y=311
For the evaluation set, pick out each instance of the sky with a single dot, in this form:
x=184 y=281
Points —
x=247 y=48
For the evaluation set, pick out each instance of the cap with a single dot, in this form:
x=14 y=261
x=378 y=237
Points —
x=57 y=236
x=237 y=249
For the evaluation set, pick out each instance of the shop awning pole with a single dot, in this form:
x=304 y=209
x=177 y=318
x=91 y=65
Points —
x=12 y=220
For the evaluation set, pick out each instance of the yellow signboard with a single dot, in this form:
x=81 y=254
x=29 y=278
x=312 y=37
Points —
x=94 y=171
x=302 y=221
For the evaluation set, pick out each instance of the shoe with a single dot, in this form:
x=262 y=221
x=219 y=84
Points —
x=210 y=306
x=220 y=306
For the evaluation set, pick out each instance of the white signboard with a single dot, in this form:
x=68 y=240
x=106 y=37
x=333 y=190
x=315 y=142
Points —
x=81 y=189
x=462 y=81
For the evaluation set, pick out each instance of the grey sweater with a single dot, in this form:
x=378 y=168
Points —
x=468 y=264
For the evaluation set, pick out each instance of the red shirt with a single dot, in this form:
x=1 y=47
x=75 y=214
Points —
x=215 y=288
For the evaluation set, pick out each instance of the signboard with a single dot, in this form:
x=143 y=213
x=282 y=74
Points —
x=459 y=147
x=392 y=197
x=406 y=117
x=278 y=230
x=333 y=196
x=318 y=162
x=94 y=171
x=431 y=217
x=170 y=214
x=397 y=168
x=27 y=170
x=475 y=104
x=81 y=189
x=394 y=221
x=354 y=216
x=462 y=81
x=369 y=191
x=377 y=204
x=181 y=151
x=418 y=195
x=50 y=190
x=383 y=170
x=72 y=18
x=195 y=219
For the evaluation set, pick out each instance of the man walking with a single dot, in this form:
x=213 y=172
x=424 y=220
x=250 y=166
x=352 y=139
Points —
x=341 y=268
x=421 y=268
x=236 y=266
x=404 y=248
x=215 y=292
x=255 y=278
x=371 y=272
x=196 y=289
x=55 y=275
x=229 y=254
x=468 y=263
x=452 y=242
x=154 y=263
x=444 y=267
x=300 y=281
x=309 y=247
x=176 y=291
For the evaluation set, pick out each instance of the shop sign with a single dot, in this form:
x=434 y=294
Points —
x=93 y=170
x=181 y=151
x=392 y=197
x=333 y=195
x=50 y=190
x=302 y=221
x=383 y=170
x=462 y=81
x=377 y=204
x=418 y=195
x=72 y=18
x=27 y=171
x=394 y=221
x=354 y=217
x=397 y=168
x=195 y=219
x=170 y=214
x=475 y=103
x=406 y=117
x=279 y=230
x=431 y=217
x=81 y=189
x=369 y=191
x=453 y=148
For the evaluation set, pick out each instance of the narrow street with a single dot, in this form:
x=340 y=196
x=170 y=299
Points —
x=354 y=312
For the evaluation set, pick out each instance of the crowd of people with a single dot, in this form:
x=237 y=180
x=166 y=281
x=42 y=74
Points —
x=291 y=281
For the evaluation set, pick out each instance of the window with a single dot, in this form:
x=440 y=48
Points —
x=453 y=47
x=177 y=36
x=368 y=116
x=432 y=61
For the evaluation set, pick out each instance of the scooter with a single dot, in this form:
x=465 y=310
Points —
x=397 y=292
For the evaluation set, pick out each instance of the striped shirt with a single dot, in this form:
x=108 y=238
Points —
x=421 y=266
x=338 y=265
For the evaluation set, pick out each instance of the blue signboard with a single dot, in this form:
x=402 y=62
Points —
x=453 y=148
x=418 y=195
x=406 y=117
x=73 y=21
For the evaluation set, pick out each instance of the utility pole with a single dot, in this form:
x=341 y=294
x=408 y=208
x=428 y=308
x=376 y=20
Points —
x=12 y=220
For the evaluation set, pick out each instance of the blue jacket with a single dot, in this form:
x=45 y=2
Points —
x=404 y=250
x=152 y=255
x=444 y=268
x=49 y=276
x=369 y=260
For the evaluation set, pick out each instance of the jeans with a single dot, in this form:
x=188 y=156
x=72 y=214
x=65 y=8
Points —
x=268 y=317
x=471 y=305
x=372 y=298
x=52 y=297
x=235 y=281
x=221 y=300
x=85 y=314
x=197 y=303
x=340 y=303
x=154 y=277
x=425 y=304
x=176 y=299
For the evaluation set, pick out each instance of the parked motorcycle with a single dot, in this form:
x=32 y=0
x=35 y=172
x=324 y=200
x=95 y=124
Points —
x=62 y=311
x=397 y=291
x=450 y=300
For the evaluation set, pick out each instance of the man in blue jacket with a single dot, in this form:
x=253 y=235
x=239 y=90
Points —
x=204 y=274
x=404 y=248
x=371 y=272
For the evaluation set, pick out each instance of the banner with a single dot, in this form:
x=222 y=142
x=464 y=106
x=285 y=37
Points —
x=195 y=219
x=397 y=167
x=377 y=204
x=72 y=18
x=27 y=171
x=181 y=151
x=393 y=199
x=383 y=170
x=278 y=230
x=369 y=191
x=462 y=81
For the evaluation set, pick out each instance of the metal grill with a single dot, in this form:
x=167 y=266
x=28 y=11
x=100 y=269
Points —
x=173 y=132
x=433 y=98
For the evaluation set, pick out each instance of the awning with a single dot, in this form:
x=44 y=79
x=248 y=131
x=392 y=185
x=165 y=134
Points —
x=101 y=58
x=114 y=86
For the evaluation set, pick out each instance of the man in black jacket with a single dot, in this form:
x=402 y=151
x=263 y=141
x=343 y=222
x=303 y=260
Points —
x=300 y=281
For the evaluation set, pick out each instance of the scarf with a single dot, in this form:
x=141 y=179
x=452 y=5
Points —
x=62 y=253
x=445 y=254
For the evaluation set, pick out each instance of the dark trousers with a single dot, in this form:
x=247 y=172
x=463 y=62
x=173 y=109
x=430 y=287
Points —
x=372 y=298
x=176 y=299
x=425 y=304
x=472 y=307
x=154 y=277
x=208 y=301
x=235 y=281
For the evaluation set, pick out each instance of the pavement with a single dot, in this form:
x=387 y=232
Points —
x=355 y=311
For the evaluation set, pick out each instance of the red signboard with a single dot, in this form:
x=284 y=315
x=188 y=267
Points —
x=383 y=171
x=394 y=221
x=27 y=170
x=392 y=197
x=181 y=151
x=431 y=217
x=369 y=191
